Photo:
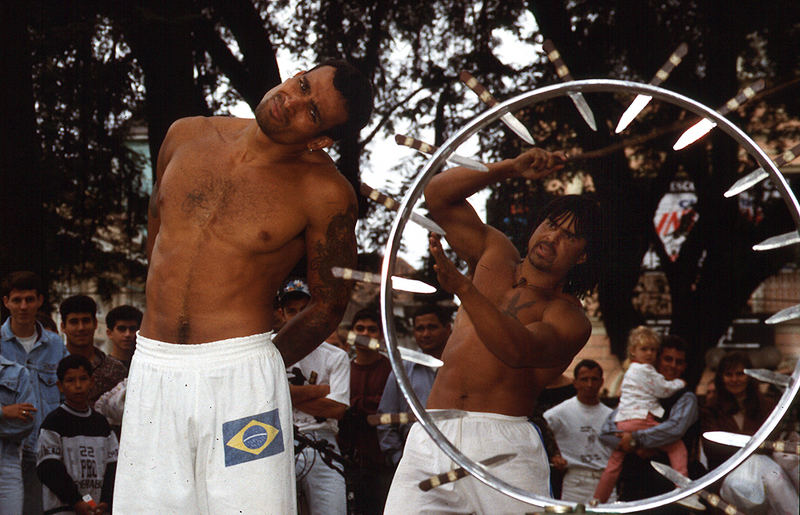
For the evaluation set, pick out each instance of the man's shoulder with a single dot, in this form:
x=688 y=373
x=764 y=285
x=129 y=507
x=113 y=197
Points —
x=331 y=352
x=562 y=406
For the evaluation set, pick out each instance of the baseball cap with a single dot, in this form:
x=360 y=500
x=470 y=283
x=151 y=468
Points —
x=294 y=289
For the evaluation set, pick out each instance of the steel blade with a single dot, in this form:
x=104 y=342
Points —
x=633 y=110
x=398 y=283
x=411 y=285
x=467 y=162
x=426 y=223
x=747 y=182
x=583 y=108
x=784 y=315
x=769 y=376
x=782 y=240
x=671 y=474
x=419 y=357
x=726 y=438
x=694 y=133
x=517 y=126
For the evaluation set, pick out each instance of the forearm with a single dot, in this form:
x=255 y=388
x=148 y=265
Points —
x=303 y=333
x=608 y=434
x=53 y=474
x=307 y=392
x=683 y=414
x=455 y=185
x=506 y=337
x=390 y=442
x=322 y=407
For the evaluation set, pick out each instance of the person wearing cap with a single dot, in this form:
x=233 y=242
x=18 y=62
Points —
x=319 y=385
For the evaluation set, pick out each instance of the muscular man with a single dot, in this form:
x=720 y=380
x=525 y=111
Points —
x=518 y=327
x=236 y=204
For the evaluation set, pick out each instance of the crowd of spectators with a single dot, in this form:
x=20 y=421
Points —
x=60 y=393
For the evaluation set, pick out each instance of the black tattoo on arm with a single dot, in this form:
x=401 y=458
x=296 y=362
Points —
x=338 y=249
x=513 y=308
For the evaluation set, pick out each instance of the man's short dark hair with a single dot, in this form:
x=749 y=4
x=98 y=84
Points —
x=433 y=309
x=124 y=312
x=586 y=363
x=583 y=277
x=673 y=341
x=367 y=314
x=356 y=90
x=22 y=280
x=72 y=361
x=77 y=304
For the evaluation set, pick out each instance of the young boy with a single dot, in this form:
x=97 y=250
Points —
x=77 y=451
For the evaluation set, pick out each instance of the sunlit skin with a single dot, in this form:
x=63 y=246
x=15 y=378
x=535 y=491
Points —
x=237 y=203
x=645 y=353
x=23 y=305
x=516 y=330
x=735 y=380
x=75 y=388
x=123 y=339
x=587 y=385
x=430 y=334
x=79 y=329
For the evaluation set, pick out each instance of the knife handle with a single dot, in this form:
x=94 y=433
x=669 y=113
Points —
x=717 y=502
x=443 y=479
x=673 y=61
x=781 y=446
x=561 y=69
x=390 y=418
x=743 y=96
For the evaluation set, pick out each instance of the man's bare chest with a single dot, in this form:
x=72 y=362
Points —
x=234 y=202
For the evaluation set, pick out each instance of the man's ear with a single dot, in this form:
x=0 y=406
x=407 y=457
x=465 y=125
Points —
x=319 y=143
x=582 y=258
x=301 y=72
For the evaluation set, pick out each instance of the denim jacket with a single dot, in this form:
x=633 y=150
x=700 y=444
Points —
x=15 y=388
x=41 y=363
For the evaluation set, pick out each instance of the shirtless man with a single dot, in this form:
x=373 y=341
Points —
x=518 y=328
x=237 y=203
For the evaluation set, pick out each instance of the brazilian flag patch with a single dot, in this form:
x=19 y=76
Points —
x=252 y=438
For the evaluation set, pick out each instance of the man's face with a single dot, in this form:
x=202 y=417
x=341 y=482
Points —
x=292 y=307
x=123 y=335
x=367 y=327
x=79 y=329
x=23 y=305
x=75 y=387
x=587 y=384
x=554 y=247
x=301 y=108
x=430 y=334
x=671 y=363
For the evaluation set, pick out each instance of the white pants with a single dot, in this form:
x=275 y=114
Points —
x=579 y=485
x=478 y=436
x=207 y=429
x=323 y=487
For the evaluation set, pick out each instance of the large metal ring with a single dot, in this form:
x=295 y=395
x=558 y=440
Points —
x=415 y=192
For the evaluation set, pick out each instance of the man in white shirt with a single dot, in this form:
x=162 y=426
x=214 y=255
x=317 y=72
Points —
x=576 y=423
x=319 y=385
